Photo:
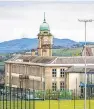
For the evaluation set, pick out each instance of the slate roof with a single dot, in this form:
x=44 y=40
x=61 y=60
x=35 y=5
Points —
x=14 y=58
x=54 y=60
x=74 y=60
x=81 y=69
x=37 y=59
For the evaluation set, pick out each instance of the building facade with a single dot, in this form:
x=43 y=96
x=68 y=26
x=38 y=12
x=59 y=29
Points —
x=42 y=73
x=45 y=71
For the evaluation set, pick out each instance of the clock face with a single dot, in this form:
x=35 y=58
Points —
x=45 y=39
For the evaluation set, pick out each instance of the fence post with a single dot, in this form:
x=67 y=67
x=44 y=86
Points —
x=44 y=92
x=17 y=97
x=58 y=100
x=3 y=97
x=76 y=88
x=25 y=98
x=10 y=97
x=65 y=93
x=74 y=98
x=91 y=87
x=33 y=95
x=0 y=98
x=14 y=97
x=89 y=98
x=29 y=98
x=49 y=98
x=6 y=97
x=21 y=97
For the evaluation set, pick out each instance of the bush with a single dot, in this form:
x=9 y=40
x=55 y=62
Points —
x=49 y=94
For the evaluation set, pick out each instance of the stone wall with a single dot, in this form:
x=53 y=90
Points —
x=13 y=71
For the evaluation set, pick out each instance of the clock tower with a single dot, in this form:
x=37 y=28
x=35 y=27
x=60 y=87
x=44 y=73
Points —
x=45 y=40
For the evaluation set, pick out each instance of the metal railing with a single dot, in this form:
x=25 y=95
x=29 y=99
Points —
x=19 y=98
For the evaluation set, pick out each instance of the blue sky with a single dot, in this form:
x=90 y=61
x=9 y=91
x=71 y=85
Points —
x=23 y=19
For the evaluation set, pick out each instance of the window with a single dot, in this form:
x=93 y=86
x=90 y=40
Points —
x=45 y=32
x=14 y=68
x=62 y=73
x=62 y=85
x=54 y=86
x=53 y=72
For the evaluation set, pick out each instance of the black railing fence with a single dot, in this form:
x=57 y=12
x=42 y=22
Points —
x=18 y=98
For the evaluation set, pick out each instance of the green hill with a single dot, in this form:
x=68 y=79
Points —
x=67 y=52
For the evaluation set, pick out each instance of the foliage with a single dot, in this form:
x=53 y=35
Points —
x=49 y=94
x=65 y=94
x=67 y=52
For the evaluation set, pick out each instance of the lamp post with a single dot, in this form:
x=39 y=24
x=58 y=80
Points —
x=85 y=21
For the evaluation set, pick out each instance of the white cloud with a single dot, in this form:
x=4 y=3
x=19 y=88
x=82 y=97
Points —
x=24 y=18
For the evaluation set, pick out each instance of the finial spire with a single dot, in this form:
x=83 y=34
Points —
x=44 y=17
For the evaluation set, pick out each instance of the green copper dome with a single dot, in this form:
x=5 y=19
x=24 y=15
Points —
x=44 y=26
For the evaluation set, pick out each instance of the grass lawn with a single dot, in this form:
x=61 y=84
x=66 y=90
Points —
x=54 y=104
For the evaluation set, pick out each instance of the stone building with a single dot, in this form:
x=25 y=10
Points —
x=42 y=73
x=45 y=71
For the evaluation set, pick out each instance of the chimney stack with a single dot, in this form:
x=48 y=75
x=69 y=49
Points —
x=33 y=52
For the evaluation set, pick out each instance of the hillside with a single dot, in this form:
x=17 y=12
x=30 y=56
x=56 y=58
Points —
x=28 y=44
x=18 y=45
x=65 y=43
x=67 y=52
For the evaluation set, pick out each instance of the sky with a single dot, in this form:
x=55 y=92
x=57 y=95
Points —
x=22 y=19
